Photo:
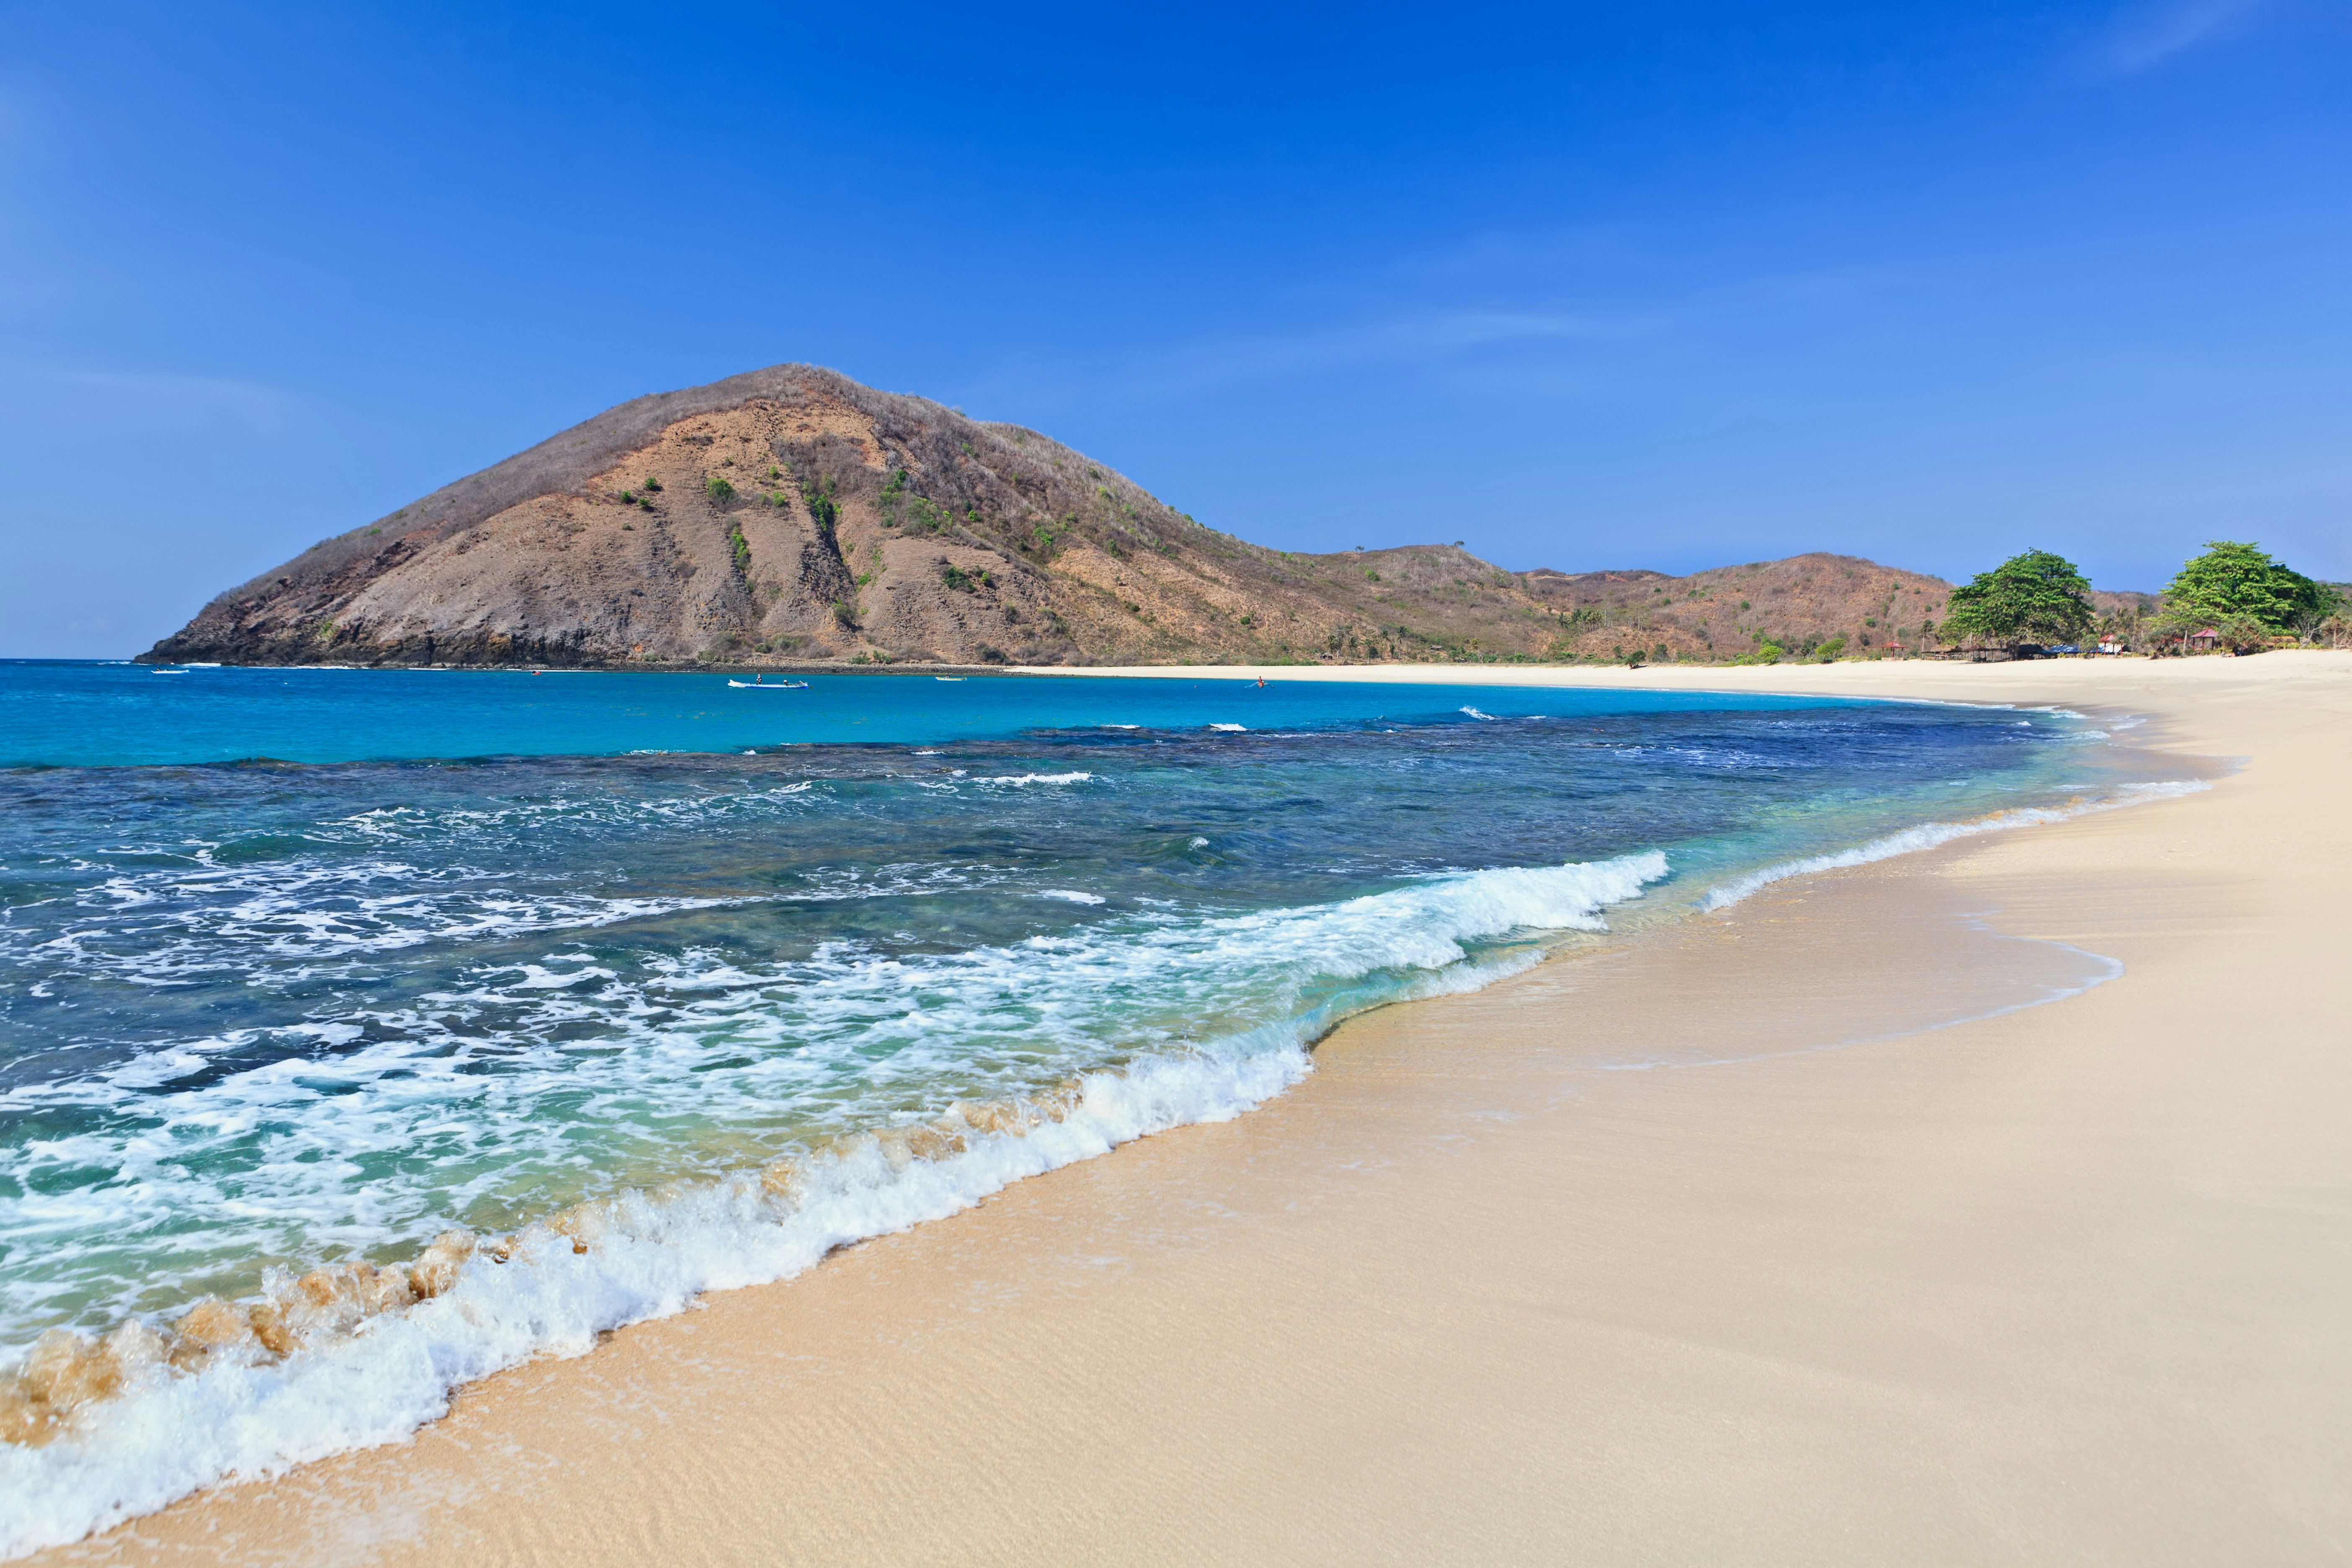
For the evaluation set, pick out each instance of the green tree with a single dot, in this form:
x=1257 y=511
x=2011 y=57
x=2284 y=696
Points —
x=2178 y=629
x=2034 y=597
x=2232 y=580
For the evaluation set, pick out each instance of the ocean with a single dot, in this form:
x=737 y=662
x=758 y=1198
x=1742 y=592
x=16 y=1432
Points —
x=630 y=987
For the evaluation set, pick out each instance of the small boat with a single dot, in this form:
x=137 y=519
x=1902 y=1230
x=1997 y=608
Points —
x=756 y=684
x=947 y=677
x=167 y=672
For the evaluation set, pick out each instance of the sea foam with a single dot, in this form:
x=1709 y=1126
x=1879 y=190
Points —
x=552 y=1287
x=1929 y=836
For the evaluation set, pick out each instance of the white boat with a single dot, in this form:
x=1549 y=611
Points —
x=756 y=684
x=947 y=677
x=167 y=672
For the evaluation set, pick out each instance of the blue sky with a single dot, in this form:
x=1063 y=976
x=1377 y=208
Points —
x=1667 y=286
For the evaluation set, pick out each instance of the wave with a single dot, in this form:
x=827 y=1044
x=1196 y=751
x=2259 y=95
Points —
x=409 y=824
x=171 y=928
x=232 y=1405
x=361 y=886
x=1927 y=835
x=351 y=1355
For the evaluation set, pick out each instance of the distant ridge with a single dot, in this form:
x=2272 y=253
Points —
x=792 y=516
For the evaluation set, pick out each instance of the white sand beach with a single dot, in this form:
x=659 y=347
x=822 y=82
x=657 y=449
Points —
x=1791 y=1235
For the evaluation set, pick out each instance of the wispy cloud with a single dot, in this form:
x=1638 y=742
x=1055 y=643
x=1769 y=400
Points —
x=2146 y=36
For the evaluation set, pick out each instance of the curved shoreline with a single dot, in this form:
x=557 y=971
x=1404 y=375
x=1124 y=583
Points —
x=957 y=1477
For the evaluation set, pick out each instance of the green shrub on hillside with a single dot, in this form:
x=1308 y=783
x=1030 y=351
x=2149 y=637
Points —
x=824 y=509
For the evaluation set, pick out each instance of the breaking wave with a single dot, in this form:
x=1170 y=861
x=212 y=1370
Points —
x=356 y=1355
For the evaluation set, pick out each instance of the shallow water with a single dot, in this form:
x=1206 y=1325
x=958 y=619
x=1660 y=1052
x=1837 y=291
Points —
x=259 y=1016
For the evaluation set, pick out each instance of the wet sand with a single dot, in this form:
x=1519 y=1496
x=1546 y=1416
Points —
x=1726 y=1245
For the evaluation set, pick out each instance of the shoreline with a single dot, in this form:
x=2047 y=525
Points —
x=1022 y=1294
x=1529 y=673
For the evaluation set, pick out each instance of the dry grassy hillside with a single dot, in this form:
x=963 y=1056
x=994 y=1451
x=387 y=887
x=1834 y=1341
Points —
x=793 y=516
x=1797 y=604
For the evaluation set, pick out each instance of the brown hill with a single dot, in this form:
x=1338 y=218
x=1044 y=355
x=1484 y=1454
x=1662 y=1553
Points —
x=791 y=515
x=1797 y=604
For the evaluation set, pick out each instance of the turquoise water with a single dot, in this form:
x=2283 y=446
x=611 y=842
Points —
x=477 y=949
x=111 y=715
